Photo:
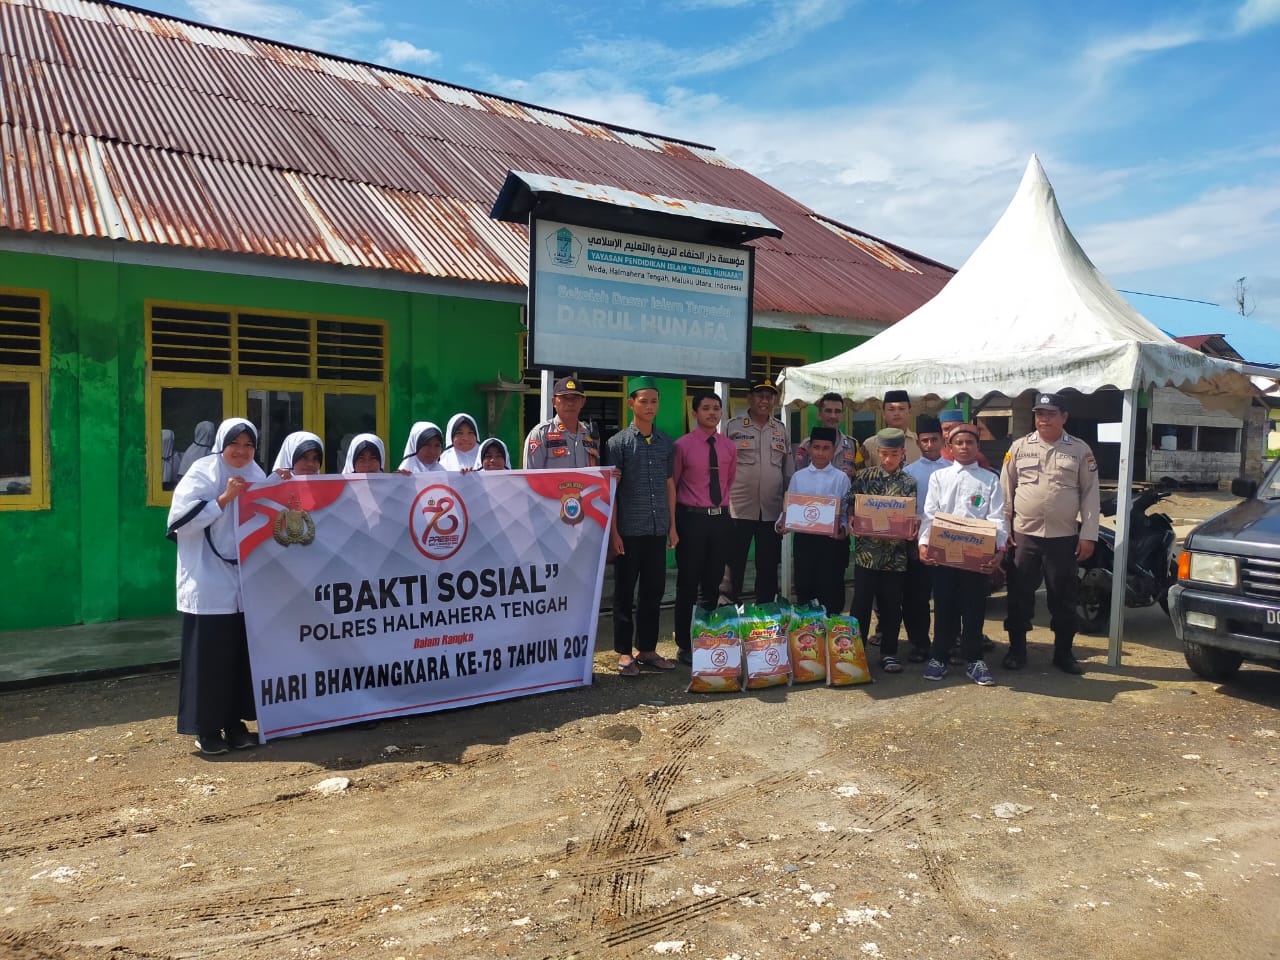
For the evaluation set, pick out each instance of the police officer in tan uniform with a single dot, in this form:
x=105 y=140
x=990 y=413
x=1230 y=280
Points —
x=1049 y=479
x=765 y=465
x=562 y=442
x=896 y=407
x=848 y=450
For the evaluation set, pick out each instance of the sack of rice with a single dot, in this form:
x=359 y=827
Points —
x=806 y=640
x=717 y=651
x=764 y=645
x=846 y=657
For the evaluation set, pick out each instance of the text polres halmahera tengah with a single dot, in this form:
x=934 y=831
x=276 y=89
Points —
x=420 y=600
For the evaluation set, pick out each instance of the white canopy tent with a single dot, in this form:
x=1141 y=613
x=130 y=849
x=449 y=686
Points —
x=1029 y=311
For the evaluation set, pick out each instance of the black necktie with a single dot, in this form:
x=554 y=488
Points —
x=713 y=464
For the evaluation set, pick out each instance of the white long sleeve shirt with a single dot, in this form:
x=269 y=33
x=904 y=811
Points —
x=965 y=491
x=921 y=470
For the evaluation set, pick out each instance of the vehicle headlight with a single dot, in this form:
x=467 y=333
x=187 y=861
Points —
x=1214 y=568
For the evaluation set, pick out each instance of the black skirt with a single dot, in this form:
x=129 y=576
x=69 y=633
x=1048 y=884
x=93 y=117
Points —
x=215 y=686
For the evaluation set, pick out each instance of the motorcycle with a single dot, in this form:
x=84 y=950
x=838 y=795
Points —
x=1152 y=568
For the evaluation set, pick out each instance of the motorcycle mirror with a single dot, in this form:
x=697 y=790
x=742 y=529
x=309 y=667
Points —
x=1241 y=487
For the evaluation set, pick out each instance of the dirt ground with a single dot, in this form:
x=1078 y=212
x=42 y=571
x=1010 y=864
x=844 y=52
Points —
x=1129 y=813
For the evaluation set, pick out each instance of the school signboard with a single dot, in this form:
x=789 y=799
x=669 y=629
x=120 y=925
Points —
x=611 y=301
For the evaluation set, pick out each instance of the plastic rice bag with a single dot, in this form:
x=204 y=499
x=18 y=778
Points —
x=806 y=641
x=763 y=628
x=717 y=651
x=846 y=657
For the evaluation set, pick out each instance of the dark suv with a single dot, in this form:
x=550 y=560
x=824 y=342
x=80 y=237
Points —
x=1226 y=603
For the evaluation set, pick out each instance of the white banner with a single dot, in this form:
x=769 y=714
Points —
x=382 y=595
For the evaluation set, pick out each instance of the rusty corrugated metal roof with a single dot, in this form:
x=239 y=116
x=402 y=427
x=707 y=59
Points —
x=122 y=124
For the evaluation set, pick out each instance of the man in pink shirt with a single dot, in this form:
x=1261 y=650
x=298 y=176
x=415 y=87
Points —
x=705 y=464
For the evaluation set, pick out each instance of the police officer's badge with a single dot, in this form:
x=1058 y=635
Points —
x=571 y=511
x=294 y=525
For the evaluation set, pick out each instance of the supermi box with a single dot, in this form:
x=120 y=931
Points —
x=884 y=516
x=962 y=541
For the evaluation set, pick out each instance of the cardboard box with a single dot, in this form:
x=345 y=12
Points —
x=809 y=513
x=886 y=517
x=962 y=541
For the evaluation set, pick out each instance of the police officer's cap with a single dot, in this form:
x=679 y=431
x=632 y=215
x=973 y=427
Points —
x=764 y=385
x=568 y=387
x=1050 y=401
x=891 y=438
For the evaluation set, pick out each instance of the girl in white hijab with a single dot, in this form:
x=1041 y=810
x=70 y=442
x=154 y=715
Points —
x=168 y=461
x=301 y=454
x=463 y=451
x=363 y=447
x=423 y=449
x=494 y=455
x=201 y=443
x=215 y=686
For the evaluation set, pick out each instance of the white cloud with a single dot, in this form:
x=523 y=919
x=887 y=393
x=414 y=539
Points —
x=328 y=26
x=1216 y=224
x=785 y=26
x=1104 y=57
x=1127 y=47
x=401 y=53
x=1256 y=14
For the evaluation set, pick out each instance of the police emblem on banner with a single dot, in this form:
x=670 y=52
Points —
x=571 y=511
x=294 y=525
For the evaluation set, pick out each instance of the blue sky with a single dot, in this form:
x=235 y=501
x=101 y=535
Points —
x=1158 y=123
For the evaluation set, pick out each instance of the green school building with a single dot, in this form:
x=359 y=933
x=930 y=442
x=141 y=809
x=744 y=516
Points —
x=196 y=224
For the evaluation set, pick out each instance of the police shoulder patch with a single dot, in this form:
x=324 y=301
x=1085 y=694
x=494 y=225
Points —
x=1093 y=464
x=1008 y=455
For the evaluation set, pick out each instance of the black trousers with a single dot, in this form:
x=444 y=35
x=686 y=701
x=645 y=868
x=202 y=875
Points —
x=768 y=554
x=700 y=558
x=884 y=588
x=1054 y=559
x=917 y=590
x=819 y=575
x=643 y=561
x=959 y=608
x=215 y=685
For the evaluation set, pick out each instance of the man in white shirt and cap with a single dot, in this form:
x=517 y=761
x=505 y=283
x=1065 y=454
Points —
x=918 y=586
x=963 y=489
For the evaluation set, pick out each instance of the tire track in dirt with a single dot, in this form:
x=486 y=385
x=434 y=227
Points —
x=22 y=945
x=698 y=809
x=636 y=823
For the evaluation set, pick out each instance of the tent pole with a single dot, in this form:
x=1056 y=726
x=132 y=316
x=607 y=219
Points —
x=545 y=408
x=1124 y=501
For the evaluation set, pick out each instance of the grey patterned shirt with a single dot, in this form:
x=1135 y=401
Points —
x=645 y=464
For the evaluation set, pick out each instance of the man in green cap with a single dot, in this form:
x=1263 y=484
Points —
x=644 y=523
x=879 y=564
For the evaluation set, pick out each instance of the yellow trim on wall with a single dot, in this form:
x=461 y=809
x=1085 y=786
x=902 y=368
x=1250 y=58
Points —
x=235 y=386
x=37 y=379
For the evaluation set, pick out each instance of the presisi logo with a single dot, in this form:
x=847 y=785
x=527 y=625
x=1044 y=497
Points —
x=564 y=248
x=438 y=522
